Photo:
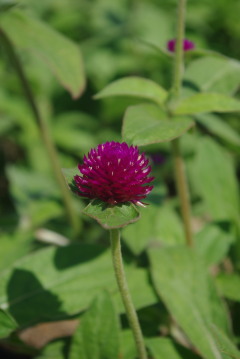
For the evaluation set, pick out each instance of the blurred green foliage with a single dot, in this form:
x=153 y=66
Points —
x=119 y=39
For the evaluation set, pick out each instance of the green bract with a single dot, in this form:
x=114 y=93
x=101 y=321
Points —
x=110 y=217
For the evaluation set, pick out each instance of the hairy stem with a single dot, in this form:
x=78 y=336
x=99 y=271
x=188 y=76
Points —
x=125 y=294
x=43 y=128
x=180 y=176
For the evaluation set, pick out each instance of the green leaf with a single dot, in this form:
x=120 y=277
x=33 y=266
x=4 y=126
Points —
x=61 y=55
x=70 y=133
x=139 y=234
x=157 y=224
x=213 y=178
x=69 y=174
x=146 y=296
x=55 y=283
x=7 y=5
x=128 y=346
x=218 y=127
x=229 y=286
x=150 y=22
x=207 y=102
x=98 y=333
x=135 y=86
x=213 y=243
x=182 y=282
x=147 y=124
x=31 y=191
x=54 y=349
x=14 y=246
x=227 y=348
x=7 y=324
x=214 y=74
x=220 y=312
x=112 y=216
x=165 y=348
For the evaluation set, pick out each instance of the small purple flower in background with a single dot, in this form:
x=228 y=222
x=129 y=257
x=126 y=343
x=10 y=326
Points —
x=187 y=45
x=158 y=159
x=114 y=173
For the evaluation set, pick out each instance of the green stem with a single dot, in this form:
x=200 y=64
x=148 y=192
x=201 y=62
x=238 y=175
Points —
x=44 y=130
x=126 y=297
x=180 y=176
x=179 y=53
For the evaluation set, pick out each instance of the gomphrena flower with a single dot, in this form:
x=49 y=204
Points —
x=114 y=173
x=187 y=45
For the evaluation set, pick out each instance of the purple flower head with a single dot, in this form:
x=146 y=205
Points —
x=114 y=173
x=187 y=45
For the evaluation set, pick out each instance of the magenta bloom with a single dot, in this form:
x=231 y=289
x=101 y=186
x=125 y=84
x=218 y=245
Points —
x=114 y=173
x=187 y=45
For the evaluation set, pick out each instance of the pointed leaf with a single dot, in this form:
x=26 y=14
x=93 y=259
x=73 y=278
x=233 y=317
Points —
x=98 y=333
x=7 y=324
x=115 y=216
x=207 y=102
x=135 y=86
x=61 y=55
x=146 y=124
x=182 y=282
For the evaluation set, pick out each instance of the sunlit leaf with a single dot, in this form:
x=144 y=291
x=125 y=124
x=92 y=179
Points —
x=54 y=283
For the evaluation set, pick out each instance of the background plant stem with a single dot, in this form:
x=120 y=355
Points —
x=180 y=175
x=125 y=294
x=44 y=130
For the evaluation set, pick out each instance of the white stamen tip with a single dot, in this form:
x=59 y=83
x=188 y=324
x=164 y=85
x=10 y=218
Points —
x=138 y=203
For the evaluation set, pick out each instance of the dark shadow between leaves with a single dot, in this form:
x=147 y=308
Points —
x=29 y=301
x=191 y=86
